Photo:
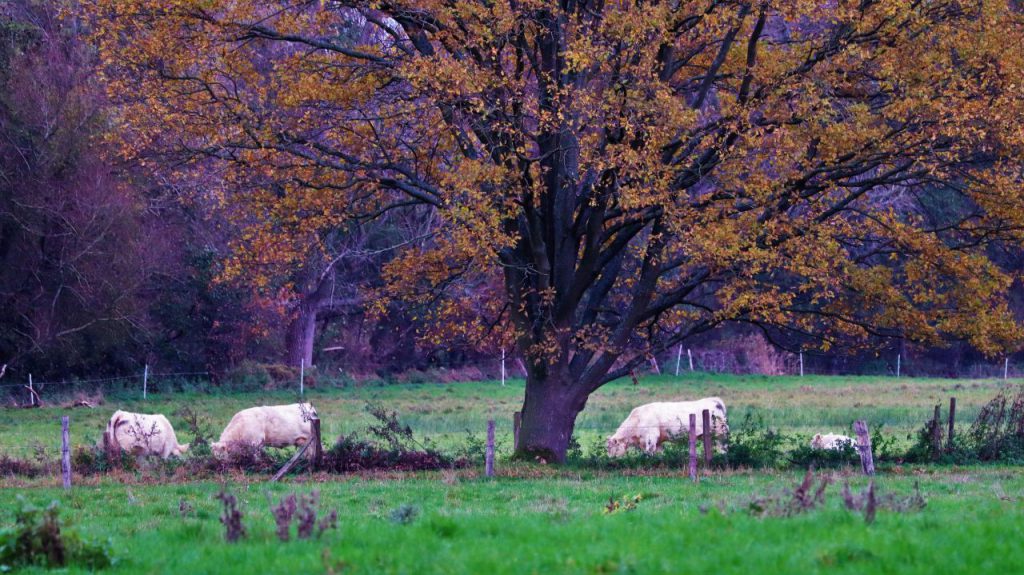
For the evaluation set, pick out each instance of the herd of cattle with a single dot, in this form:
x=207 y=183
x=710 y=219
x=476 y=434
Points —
x=647 y=427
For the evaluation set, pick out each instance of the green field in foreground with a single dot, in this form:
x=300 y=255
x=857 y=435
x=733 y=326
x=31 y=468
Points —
x=444 y=412
x=547 y=521
x=540 y=519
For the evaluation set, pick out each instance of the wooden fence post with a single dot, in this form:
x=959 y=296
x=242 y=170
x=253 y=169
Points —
x=706 y=422
x=318 y=446
x=489 y=461
x=145 y=381
x=517 y=422
x=937 y=432
x=952 y=417
x=693 y=447
x=867 y=462
x=65 y=450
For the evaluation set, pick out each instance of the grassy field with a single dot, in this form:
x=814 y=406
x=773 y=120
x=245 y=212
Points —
x=553 y=522
x=540 y=519
x=444 y=412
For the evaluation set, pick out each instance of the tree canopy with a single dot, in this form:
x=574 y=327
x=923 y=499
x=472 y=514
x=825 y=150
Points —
x=618 y=176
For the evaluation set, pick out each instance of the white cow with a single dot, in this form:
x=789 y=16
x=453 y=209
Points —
x=832 y=441
x=268 y=425
x=650 y=425
x=144 y=434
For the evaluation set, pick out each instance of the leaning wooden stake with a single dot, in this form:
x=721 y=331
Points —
x=867 y=462
x=952 y=417
x=517 y=422
x=937 y=432
x=291 y=462
x=318 y=446
x=489 y=462
x=693 y=447
x=706 y=422
x=65 y=450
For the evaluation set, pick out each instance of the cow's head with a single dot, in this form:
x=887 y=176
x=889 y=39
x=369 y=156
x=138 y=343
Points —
x=616 y=447
x=219 y=449
x=816 y=442
x=180 y=449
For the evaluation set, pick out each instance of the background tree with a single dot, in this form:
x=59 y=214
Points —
x=77 y=245
x=631 y=174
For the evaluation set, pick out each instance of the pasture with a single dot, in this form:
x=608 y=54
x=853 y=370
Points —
x=444 y=413
x=541 y=519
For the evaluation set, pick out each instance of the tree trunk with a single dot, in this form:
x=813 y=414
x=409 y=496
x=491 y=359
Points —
x=301 y=332
x=549 y=416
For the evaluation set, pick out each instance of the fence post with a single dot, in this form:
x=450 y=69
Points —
x=489 y=461
x=898 y=357
x=302 y=376
x=679 y=358
x=937 y=432
x=801 y=364
x=693 y=447
x=145 y=381
x=952 y=417
x=65 y=450
x=690 y=357
x=867 y=461
x=517 y=422
x=503 y=367
x=706 y=426
x=31 y=391
x=318 y=446
x=1006 y=368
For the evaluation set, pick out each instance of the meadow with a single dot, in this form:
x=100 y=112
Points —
x=544 y=519
x=444 y=413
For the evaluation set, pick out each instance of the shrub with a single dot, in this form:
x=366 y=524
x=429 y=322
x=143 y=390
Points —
x=404 y=515
x=805 y=455
x=401 y=451
x=12 y=466
x=304 y=509
x=998 y=432
x=792 y=501
x=753 y=444
x=231 y=518
x=38 y=538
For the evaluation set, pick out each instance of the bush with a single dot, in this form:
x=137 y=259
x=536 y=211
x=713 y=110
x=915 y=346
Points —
x=753 y=444
x=401 y=451
x=39 y=539
x=251 y=375
x=12 y=466
x=807 y=456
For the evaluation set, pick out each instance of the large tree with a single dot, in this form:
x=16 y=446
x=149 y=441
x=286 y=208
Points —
x=634 y=172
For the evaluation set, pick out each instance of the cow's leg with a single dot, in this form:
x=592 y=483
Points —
x=651 y=441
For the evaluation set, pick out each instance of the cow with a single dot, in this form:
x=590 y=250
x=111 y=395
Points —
x=267 y=426
x=144 y=434
x=650 y=425
x=832 y=441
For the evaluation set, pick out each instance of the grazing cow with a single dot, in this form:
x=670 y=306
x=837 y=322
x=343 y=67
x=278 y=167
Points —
x=832 y=441
x=268 y=426
x=648 y=426
x=144 y=434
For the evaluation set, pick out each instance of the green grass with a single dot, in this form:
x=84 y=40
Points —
x=444 y=412
x=538 y=519
x=555 y=524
